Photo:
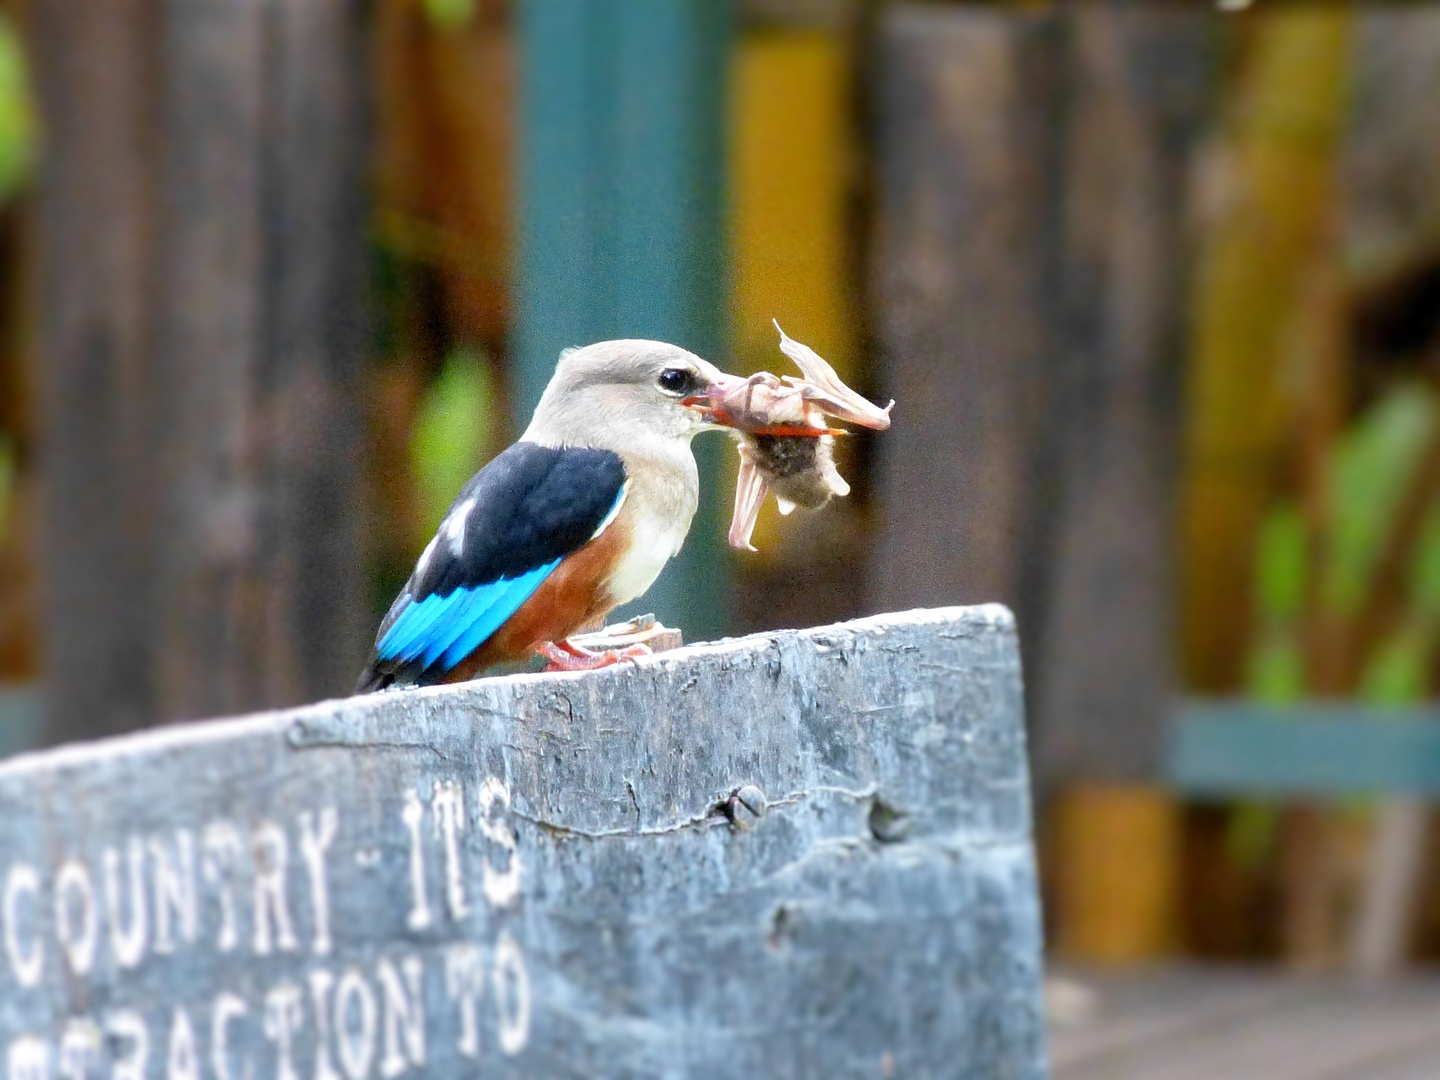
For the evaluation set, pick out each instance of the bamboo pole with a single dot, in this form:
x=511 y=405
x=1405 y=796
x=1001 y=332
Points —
x=1267 y=197
x=1264 y=359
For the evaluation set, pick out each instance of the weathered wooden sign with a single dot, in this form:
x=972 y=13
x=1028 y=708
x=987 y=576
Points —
x=791 y=855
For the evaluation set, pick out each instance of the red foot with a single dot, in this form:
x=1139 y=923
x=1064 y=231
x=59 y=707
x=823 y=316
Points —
x=567 y=656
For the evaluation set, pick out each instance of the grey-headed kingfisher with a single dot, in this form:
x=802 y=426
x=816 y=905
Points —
x=576 y=518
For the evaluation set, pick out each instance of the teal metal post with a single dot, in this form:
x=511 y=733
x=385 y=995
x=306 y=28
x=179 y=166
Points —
x=621 y=231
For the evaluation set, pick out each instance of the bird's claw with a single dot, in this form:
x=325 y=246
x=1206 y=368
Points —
x=567 y=656
x=634 y=652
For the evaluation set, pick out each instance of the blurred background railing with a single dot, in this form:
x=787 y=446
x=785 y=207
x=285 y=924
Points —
x=1156 y=288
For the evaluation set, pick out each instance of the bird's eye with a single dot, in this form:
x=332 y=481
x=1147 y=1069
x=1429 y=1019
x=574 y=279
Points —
x=677 y=380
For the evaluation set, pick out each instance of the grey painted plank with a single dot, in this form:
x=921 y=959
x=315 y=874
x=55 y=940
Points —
x=1413 y=1059
x=1238 y=748
x=546 y=875
x=94 y=390
x=1337 y=1031
x=1137 y=90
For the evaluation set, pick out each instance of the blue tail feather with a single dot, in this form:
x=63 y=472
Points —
x=470 y=605
x=409 y=629
x=408 y=637
x=456 y=624
x=516 y=593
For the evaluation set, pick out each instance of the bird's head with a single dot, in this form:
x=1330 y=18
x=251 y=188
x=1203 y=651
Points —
x=615 y=394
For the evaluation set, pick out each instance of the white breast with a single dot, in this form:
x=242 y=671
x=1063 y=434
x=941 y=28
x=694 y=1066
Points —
x=653 y=544
x=662 y=491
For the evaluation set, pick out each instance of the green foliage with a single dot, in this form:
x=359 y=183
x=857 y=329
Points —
x=17 y=112
x=1425 y=569
x=1276 y=672
x=452 y=434
x=1373 y=466
x=1398 y=671
x=1283 y=564
x=450 y=14
x=1276 y=669
x=1252 y=832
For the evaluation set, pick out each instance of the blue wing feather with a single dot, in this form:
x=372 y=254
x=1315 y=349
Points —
x=455 y=625
x=494 y=616
x=406 y=636
x=471 y=604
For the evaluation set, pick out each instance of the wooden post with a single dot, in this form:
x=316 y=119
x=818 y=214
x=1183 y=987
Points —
x=1139 y=82
x=797 y=854
x=963 y=281
x=1030 y=277
x=202 y=265
x=622 y=154
x=1114 y=873
x=1031 y=281
x=94 y=66
x=1138 y=90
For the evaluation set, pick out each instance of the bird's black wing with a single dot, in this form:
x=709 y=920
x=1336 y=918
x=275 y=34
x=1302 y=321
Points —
x=510 y=526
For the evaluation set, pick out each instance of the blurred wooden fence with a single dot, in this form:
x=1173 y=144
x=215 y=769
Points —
x=1030 y=278
x=201 y=273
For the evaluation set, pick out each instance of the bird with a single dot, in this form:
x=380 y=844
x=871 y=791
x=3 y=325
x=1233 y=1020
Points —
x=576 y=518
